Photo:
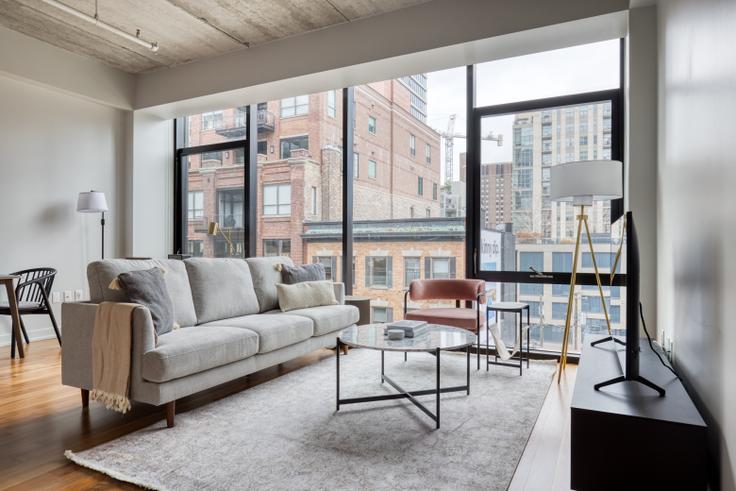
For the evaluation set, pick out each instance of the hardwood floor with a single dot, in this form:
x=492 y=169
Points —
x=40 y=418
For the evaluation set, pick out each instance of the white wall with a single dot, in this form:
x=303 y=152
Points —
x=52 y=146
x=641 y=149
x=34 y=61
x=697 y=209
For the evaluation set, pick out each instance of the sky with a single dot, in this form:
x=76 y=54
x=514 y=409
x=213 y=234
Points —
x=586 y=68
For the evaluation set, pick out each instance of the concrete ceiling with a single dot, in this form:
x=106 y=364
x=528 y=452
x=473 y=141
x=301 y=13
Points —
x=186 y=30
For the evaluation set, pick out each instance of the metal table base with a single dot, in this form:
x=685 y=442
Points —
x=406 y=394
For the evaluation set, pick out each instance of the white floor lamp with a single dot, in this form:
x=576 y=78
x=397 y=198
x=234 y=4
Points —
x=581 y=183
x=94 y=202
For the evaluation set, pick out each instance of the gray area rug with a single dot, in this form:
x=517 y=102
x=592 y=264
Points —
x=285 y=434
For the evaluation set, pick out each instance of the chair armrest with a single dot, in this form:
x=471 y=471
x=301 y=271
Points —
x=339 y=292
x=78 y=322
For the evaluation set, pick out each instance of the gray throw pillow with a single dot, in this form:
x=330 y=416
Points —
x=148 y=288
x=305 y=295
x=298 y=274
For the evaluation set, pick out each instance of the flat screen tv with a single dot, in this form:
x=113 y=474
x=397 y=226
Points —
x=628 y=240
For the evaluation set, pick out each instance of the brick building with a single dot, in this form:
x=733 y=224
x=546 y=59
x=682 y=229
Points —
x=388 y=255
x=396 y=166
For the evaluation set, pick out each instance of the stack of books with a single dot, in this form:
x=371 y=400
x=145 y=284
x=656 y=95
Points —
x=412 y=329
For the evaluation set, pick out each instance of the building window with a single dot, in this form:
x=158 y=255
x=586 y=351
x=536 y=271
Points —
x=411 y=270
x=371 y=169
x=277 y=199
x=356 y=166
x=429 y=213
x=559 y=311
x=211 y=157
x=420 y=185
x=195 y=248
x=378 y=271
x=195 y=208
x=276 y=247
x=263 y=147
x=536 y=261
x=382 y=314
x=230 y=207
x=412 y=145
x=371 y=124
x=330 y=265
x=439 y=268
x=212 y=120
x=288 y=145
x=314 y=200
x=428 y=153
x=331 y=103
x=294 y=106
x=602 y=259
x=434 y=191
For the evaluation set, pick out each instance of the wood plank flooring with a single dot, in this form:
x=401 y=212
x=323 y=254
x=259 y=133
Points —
x=40 y=418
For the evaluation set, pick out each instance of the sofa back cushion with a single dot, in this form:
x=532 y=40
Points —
x=101 y=273
x=265 y=276
x=221 y=288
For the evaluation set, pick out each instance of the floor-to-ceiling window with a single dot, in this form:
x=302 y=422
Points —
x=414 y=180
x=569 y=110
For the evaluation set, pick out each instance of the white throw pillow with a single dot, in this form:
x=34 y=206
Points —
x=305 y=294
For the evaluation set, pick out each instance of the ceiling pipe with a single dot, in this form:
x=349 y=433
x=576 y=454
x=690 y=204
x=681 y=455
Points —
x=153 y=46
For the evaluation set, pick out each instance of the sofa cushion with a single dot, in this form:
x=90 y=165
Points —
x=196 y=349
x=101 y=273
x=298 y=274
x=148 y=288
x=457 y=317
x=265 y=276
x=221 y=288
x=274 y=331
x=329 y=318
x=305 y=295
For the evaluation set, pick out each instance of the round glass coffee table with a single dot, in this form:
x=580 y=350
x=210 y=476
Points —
x=433 y=341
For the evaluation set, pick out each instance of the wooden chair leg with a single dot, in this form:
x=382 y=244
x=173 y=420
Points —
x=56 y=327
x=85 y=398
x=12 y=342
x=23 y=330
x=170 y=412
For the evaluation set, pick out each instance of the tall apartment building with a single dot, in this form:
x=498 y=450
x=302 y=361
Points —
x=495 y=194
x=542 y=139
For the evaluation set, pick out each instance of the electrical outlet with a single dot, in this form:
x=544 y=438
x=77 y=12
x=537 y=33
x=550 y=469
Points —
x=68 y=295
x=55 y=297
x=78 y=295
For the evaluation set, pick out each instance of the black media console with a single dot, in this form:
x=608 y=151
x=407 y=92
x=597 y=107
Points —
x=627 y=437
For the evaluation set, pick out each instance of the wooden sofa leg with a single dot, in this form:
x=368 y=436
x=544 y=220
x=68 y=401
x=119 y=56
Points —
x=85 y=398
x=170 y=411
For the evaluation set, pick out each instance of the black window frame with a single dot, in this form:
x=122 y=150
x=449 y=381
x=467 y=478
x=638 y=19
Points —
x=249 y=147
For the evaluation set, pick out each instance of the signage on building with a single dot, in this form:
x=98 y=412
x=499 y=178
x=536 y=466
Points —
x=490 y=260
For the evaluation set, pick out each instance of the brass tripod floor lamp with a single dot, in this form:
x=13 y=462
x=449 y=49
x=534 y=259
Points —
x=581 y=183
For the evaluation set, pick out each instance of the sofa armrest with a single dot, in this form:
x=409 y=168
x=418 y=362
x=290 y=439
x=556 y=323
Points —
x=339 y=292
x=78 y=322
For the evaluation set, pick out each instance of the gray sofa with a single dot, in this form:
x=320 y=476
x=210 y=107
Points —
x=230 y=326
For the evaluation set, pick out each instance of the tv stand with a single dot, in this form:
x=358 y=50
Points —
x=627 y=437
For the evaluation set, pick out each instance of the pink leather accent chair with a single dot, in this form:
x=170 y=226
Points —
x=461 y=291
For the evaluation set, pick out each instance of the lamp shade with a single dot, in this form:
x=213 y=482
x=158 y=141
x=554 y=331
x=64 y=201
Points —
x=91 y=202
x=585 y=181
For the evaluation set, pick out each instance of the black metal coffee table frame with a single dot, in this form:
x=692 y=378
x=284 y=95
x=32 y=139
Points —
x=403 y=393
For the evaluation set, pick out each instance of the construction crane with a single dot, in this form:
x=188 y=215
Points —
x=449 y=135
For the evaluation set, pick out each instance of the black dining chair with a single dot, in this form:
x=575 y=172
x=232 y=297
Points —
x=32 y=294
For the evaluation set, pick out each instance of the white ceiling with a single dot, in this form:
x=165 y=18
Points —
x=186 y=30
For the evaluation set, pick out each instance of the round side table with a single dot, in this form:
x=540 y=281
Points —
x=515 y=308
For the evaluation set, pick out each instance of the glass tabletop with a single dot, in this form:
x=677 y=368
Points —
x=371 y=336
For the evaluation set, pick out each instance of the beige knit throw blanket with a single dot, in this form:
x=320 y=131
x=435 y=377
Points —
x=111 y=348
